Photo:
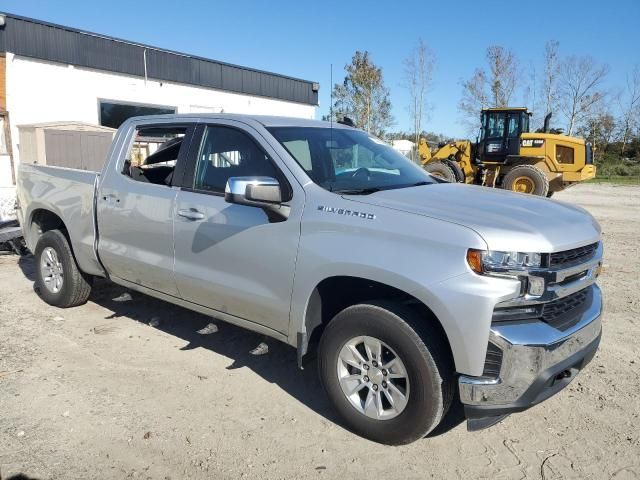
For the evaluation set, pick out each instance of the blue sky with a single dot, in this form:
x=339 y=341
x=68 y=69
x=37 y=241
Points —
x=302 y=39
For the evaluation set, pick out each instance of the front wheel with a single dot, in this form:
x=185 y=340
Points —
x=388 y=382
x=59 y=281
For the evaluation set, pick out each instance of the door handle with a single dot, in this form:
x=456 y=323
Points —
x=110 y=197
x=191 y=214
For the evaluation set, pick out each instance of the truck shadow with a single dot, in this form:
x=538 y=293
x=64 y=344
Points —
x=278 y=365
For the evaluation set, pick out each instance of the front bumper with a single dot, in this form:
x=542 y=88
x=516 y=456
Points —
x=537 y=362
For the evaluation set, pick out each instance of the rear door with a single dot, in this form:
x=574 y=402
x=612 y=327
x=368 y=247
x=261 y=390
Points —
x=135 y=206
x=512 y=133
x=235 y=258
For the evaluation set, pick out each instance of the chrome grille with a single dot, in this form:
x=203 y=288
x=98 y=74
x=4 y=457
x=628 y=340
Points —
x=573 y=256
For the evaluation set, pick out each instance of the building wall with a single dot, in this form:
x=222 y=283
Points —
x=3 y=84
x=40 y=91
x=6 y=177
x=403 y=146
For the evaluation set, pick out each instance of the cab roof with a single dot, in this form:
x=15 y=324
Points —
x=264 y=120
x=505 y=109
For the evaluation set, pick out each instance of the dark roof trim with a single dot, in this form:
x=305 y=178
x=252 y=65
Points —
x=47 y=41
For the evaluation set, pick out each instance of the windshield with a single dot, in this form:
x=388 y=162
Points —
x=349 y=161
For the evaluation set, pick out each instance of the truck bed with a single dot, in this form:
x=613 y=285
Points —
x=69 y=194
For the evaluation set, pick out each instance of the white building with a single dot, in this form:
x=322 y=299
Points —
x=405 y=147
x=51 y=73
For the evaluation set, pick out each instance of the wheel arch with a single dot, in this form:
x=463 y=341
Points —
x=76 y=224
x=42 y=220
x=335 y=293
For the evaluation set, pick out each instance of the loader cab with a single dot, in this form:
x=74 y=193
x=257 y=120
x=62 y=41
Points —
x=500 y=133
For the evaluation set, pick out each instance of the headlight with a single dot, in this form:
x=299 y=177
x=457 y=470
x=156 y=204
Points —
x=486 y=262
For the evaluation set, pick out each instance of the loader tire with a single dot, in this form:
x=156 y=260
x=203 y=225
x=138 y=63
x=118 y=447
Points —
x=59 y=281
x=526 y=179
x=441 y=170
x=460 y=177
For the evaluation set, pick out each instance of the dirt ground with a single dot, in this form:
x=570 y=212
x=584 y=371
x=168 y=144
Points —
x=96 y=392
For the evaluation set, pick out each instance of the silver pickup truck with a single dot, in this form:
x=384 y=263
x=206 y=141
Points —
x=412 y=292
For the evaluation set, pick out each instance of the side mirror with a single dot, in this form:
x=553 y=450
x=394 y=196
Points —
x=253 y=191
x=261 y=192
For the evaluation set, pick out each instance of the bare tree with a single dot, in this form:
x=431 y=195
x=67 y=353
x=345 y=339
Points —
x=579 y=83
x=495 y=89
x=474 y=98
x=363 y=95
x=551 y=71
x=418 y=73
x=504 y=74
x=630 y=107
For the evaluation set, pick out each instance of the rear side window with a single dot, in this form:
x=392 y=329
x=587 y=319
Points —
x=154 y=154
x=226 y=152
x=512 y=131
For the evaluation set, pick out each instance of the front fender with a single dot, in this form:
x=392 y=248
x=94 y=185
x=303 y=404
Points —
x=421 y=256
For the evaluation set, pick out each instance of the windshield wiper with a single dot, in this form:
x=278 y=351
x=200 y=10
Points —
x=358 y=191
x=368 y=190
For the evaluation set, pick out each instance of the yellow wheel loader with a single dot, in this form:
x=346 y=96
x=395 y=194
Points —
x=506 y=155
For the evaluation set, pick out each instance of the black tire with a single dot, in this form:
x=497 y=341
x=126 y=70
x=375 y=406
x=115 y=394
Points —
x=76 y=285
x=441 y=170
x=460 y=177
x=532 y=177
x=426 y=358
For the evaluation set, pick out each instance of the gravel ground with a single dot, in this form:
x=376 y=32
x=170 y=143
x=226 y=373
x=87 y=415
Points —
x=97 y=392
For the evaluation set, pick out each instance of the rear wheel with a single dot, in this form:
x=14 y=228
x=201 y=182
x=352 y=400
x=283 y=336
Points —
x=59 y=281
x=526 y=179
x=441 y=170
x=388 y=383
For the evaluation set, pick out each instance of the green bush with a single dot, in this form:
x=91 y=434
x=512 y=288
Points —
x=617 y=169
x=621 y=170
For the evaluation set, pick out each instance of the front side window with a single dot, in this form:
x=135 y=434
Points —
x=348 y=160
x=227 y=152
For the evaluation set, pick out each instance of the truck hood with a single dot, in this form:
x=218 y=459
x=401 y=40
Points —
x=505 y=220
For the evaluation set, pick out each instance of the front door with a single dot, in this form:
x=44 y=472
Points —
x=234 y=258
x=135 y=205
x=495 y=147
